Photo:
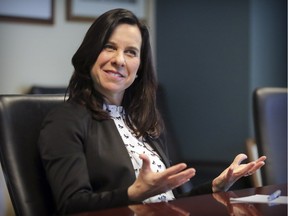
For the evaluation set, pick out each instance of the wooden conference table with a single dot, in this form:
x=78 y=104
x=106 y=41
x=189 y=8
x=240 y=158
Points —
x=204 y=205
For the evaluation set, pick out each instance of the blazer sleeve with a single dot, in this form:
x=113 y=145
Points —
x=62 y=150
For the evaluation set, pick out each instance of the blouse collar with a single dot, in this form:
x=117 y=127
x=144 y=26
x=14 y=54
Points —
x=113 y=110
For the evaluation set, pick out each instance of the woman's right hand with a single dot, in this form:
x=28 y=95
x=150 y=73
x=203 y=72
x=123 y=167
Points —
x=149 y=183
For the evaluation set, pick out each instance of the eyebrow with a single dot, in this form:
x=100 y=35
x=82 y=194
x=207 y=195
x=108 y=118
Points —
x=129 y=47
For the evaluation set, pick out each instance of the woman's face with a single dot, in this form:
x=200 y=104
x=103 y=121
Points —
x=116 y=66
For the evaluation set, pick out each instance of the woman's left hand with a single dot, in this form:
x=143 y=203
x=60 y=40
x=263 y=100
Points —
x=235 y=171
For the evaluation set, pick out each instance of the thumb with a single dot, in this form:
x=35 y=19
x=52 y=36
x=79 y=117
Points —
x=239 y=158
x=146 y=163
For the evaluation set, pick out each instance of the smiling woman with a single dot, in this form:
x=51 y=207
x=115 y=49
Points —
x=105 y=146
x=116 y=66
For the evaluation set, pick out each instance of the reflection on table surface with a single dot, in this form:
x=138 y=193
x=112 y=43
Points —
x=236 y=208
x=209 y=204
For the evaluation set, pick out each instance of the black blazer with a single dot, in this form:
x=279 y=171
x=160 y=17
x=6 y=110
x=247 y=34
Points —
x=86 y=161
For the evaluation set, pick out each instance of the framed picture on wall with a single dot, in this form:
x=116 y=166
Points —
x=37 y=11
x=89 y=10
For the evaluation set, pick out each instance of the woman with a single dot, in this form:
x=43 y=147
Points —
x=103 y=147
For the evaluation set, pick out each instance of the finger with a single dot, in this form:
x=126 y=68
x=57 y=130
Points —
x=239 y=158
x=185 y=175
x=262 y=158
x=229 y=172
x=180 y=178
x=256 y=167
x=258 y=164
x=247 y=169
x=173 y=170
x=146 y=163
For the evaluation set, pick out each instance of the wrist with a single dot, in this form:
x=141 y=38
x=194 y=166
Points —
x=132 y=194
x=216 y=187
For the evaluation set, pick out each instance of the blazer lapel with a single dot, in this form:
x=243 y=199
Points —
x=160 y=151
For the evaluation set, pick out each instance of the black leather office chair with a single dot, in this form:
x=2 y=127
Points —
x=20 y=123
x=270 y=121
x=47 y=90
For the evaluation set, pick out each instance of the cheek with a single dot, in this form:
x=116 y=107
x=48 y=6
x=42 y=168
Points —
x=94 y=70
x=99 y=61
x=134 y=66
x=97 y=65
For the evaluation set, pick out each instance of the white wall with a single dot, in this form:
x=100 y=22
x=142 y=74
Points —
x=39 y=54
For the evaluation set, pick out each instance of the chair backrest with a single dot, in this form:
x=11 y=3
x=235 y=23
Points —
x=174 y=154
x=47 y=90
x=270 y=121
x=20 y=123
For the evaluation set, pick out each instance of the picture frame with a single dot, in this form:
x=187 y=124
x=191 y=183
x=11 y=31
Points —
x=89 y=10
x=32 y=11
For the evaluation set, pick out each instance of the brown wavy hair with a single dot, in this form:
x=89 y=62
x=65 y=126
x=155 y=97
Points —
x=139 y=100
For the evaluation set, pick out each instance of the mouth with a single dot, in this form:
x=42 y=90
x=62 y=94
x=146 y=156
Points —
x=114 y=73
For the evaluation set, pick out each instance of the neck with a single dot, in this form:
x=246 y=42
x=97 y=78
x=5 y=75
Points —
x=113 y=100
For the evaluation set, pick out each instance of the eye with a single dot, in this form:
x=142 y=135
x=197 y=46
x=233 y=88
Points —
x=131 y=53
x=109 y=47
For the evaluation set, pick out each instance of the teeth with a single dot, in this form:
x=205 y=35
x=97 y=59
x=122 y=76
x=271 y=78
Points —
x=115 y=74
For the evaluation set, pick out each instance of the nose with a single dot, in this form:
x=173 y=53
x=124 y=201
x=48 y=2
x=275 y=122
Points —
x=119 y=59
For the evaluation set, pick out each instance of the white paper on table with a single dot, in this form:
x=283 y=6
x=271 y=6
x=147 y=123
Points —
x=259 y=198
